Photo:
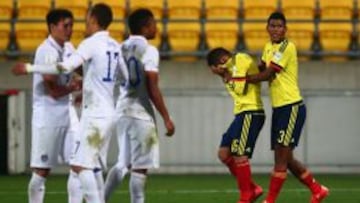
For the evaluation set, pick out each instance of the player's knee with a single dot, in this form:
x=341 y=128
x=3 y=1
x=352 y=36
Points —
x=241 y=159
x=223 y=155
x=76 y=169
x=141 y=171
x=42 y=172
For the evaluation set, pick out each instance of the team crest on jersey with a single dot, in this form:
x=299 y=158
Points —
x=44 y=158
x=277 y=56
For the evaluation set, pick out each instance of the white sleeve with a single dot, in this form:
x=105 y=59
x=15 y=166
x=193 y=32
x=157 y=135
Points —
x=67 y=66
x=83 y=53
x=151 y=59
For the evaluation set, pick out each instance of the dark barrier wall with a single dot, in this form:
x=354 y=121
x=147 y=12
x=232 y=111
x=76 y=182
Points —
x=3 y=134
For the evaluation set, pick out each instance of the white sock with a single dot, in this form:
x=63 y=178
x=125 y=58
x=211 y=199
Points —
x=75 y=194
x=137 y=187
x=36 y=188
x=113 y=179
x=89 y=186
x=100 y=184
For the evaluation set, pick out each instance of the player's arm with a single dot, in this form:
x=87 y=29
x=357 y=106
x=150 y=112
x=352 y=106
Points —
x=83 y=53
x=158 y=101
x=261 y=66
x=55 y=90
x=265 y=75
x=67 y=66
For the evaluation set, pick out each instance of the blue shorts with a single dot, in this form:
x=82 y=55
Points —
x=287 y=123
x=243 y=132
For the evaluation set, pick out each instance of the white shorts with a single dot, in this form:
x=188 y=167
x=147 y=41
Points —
x=90 y=151
x=72 y=134
x=138 y=143
x=47 y=144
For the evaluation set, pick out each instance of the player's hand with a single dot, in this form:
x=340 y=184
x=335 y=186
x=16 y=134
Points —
x=78 y=100
x=170 y=127
x=75 y=85
x=19 y=69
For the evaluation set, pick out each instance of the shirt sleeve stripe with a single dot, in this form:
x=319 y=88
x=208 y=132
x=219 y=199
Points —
x=276 y=67
x=238 y=79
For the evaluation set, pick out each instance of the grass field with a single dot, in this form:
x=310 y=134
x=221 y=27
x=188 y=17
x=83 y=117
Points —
x=190 y=189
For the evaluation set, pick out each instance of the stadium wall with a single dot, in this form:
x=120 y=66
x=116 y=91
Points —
x=202 y=111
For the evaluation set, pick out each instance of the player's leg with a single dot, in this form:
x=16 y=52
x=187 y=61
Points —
x=117 y=172
x=137 y=185
x=145 y=155
x=92 y=136
x=279 y=173
x=287 y=124
x=75 y=194
x=114 y=178
x=36 y=187
x=100 y=183
x=318 y=191
x=236 y=148
x=45 y=149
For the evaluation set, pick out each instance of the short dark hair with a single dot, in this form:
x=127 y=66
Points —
x=54 y=16
x=277 y=16
x=139 y=19
x=103 y=14
x=213 y=57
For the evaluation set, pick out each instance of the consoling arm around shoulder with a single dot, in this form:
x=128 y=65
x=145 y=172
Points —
x=265 y=75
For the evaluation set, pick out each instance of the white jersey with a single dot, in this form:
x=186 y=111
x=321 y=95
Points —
x=134 y=100
x=101 y=57
x=47 y=110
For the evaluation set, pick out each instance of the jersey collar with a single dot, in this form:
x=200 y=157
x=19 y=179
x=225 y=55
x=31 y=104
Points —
x=139 y=37
x=100 y=33
x=54 y=44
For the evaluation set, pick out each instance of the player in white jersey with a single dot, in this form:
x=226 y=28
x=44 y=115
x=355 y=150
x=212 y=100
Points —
x=134 y=117
x=50 y=116
x=101 y=57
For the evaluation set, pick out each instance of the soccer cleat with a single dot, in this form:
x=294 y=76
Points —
x=319 y=196
x=257 y=192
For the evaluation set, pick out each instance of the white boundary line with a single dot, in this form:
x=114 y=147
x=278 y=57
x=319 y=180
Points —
x=185 y=192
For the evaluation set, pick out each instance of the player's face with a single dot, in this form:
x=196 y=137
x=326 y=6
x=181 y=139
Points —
x=220 y=68
x=62 y=30
x=151 y=29
x=276 y=29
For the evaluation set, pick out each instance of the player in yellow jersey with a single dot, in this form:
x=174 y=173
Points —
x=239 y=140
x=279 y=66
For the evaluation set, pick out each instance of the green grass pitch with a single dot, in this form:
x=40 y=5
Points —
x=190 y=189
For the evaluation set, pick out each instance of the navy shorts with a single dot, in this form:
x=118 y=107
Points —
x=287 y=123
x=243 y=132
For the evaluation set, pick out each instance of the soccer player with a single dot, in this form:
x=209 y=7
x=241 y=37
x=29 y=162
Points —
x=101 y=57
x=238 y=142
x=280 y=67
x=134 y=117
x=50 y=114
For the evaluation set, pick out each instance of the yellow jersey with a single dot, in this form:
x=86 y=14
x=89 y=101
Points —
x=246 y=96
x=282 y=57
